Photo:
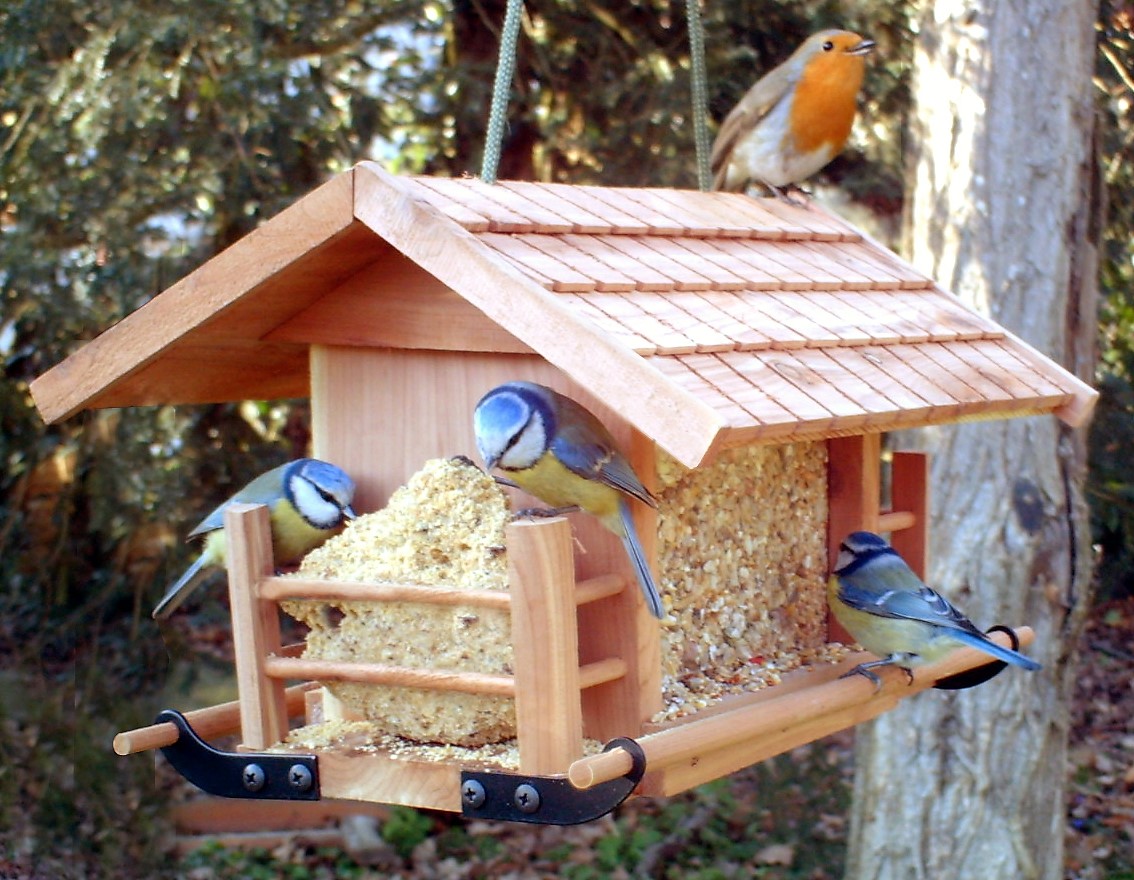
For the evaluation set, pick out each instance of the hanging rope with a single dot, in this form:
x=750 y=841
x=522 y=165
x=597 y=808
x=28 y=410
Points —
x=700 y=92
x=505 y=68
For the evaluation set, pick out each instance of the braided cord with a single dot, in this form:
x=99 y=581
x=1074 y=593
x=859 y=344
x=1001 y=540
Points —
x=505 y=69
x=700 y=92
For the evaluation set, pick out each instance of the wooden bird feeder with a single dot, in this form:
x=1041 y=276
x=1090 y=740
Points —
x=717 y=335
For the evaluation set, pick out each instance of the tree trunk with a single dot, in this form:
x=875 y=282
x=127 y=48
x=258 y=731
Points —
x=1003 y=210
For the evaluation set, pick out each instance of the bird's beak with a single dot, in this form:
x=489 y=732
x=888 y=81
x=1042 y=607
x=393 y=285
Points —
x=863 y=48
x=490 y=463
x=348 y=512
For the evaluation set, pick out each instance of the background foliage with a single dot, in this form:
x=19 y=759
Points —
x=141 y=137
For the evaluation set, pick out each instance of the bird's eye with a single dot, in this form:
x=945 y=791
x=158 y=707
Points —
x=828 y=46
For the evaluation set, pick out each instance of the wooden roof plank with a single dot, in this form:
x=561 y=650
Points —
x=950 y=382
x=789 y=255
x=770 y=320
x=237 y=273
x=884 y=368
x=642 y=276
x=1013 y=381
x=998 y=351
x=876 y=278
x=821 y=387
x=657 y=254
x=807 y=317
x=765 y=224
x=964 y=370
x=546 y=269
x=853 y=275
x=770 y=382
x=457 y=211
x=618 y=222
x=666 y=308
x=630 y=311
x=753 y=255
x=581 y=253
x=817 y=225
x=622 y=200
x=676 y=367
x=711 y=264
x=825 y=363
x=1082 y=396
x=758 y=404
x=543 y=219
x=733 y=322
x=886 y=261
x=500 y=218
x=747 y=275
x=704 y=207
x=700 y=304
x=653 y=201
x=549 y=198
x=612 y=326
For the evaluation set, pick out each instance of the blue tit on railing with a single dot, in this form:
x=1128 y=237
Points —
x=308 y=502
x=554 y=449
x=879 y=600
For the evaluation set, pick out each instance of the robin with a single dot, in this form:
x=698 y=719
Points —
x=795 y=119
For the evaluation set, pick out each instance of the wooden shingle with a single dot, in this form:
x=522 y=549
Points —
x=753 y=319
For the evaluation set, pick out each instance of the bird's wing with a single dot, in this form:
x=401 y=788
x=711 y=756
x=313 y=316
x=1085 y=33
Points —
x=265 y=489
x=923 y=604
x=592 y=455
x=757 y=103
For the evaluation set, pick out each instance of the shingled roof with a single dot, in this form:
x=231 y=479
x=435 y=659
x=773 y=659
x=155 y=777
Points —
x=704 y=318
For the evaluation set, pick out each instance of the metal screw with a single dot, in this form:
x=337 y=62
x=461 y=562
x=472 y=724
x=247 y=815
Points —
x=526 y=798
x=253 y=777
x=300 y=777
x=473 y=794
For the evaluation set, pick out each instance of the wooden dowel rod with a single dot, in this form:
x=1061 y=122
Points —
x=601 y=587
x=601 y=671
x=896 y=520
x=277 y=588
x=393 y=676
x=219 y=720
x=680 y=743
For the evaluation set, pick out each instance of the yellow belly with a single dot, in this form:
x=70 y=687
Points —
x=553 y=484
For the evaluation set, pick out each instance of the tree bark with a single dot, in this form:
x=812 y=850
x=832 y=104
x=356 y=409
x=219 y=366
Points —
x=1004 y=211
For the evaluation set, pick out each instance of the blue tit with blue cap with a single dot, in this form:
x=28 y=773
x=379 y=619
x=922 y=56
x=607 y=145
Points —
x=308 y=501
x=879 y=600
x=553 y=448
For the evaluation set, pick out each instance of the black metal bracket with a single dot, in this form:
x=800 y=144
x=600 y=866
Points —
x=262 y=775
x=979 y=674
x=548 y=800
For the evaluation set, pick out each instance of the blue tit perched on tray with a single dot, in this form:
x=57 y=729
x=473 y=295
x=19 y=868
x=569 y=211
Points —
x=879 y=600
x=554 y=449
x=308 y=501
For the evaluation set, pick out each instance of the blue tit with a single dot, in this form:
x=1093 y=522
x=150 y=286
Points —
x=308 y=502
x=554 y=449
x=877 y=597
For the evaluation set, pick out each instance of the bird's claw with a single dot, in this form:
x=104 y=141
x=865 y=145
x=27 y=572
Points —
x=862 y=670
x=544 y=512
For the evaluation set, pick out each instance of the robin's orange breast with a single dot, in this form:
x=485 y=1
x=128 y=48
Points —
x=823 y=107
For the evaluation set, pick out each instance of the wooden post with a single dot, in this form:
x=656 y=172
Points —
x=255 y=625
x=854 y=490
x=545 y=645
x=910 y=492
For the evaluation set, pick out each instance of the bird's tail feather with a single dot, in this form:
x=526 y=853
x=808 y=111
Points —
x=181 y=589
x=998 y=651
x=638 y=557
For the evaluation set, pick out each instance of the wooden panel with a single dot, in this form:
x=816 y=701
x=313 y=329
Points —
x=372 y=776
x=854 y=488
x=545 y=645
x=288 y=252
x=255 y=626
x=588 y=198
x=607 y=324
x=629 y=310
x=909 y=491
x=656 y=255
x=397 y=304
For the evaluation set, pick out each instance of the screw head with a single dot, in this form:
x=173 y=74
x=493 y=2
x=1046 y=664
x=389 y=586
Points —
x=253 y=777
x=526 y=798
x=300 y=778
x=473 y=794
